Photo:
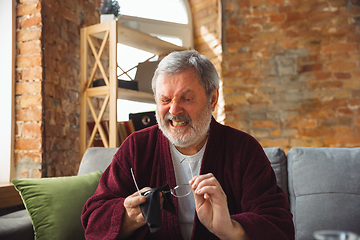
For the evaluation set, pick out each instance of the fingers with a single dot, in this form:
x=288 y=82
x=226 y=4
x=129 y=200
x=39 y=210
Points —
x=204 y=183
x=207 y=187
x=132 y=205
x=161 y=200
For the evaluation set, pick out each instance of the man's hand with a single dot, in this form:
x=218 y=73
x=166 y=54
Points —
x=133 y=218
x=212 y=210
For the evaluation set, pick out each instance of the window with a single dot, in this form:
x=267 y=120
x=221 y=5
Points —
x=7 y=62
x=165 y=10
x=168 y=20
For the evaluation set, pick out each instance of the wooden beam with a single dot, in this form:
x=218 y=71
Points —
x=9 y=196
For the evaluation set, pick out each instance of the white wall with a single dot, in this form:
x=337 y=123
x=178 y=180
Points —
x=7 y=44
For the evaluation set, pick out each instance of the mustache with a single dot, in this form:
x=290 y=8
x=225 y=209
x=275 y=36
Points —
x=169 y=117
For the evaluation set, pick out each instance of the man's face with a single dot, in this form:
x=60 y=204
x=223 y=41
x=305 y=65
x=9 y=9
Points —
x=183 y=111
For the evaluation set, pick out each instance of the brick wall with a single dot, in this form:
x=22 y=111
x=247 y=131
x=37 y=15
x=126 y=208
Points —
x=47 y=85
x=289 y=74
x=206 y=16
x=291 y=71
x=62 y=23
x=28 y=90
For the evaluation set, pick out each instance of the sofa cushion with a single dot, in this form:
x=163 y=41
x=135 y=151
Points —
x=324 y=189
x=96 y=159
x=55 y=204
x=278 y=162
x=15 y=224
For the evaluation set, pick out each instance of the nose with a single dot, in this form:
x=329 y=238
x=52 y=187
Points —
x=175 y=108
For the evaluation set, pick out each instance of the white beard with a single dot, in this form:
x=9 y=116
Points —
x=185 y=138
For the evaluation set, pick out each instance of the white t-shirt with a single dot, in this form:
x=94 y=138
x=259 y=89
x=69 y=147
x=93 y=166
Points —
x=186 y=167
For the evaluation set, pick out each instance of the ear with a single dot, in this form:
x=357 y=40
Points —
x=214 y=98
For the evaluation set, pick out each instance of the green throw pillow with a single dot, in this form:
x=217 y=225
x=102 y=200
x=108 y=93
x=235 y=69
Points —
x=55 y=204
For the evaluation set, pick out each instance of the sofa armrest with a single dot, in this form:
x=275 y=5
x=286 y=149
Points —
x=96 y=159
x=324 y=189
x=278 y=162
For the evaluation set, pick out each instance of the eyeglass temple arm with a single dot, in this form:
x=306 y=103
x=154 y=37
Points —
x=132 y=174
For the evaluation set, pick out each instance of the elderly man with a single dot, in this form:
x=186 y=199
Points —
x=234 y=191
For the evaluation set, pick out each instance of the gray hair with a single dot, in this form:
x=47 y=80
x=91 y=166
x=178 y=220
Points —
x=178 y=62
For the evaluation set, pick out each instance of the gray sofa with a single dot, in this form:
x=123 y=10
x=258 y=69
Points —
x=323 y=186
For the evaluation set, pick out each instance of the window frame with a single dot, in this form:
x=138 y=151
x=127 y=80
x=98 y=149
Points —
x=7 y=47
x=163 y=28
x=9 y=195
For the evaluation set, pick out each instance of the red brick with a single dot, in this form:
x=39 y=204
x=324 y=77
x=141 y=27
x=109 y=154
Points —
x=296 y=16
x=32 y=130
x=275 y=2
x=357 y=121
x=28 y=61
x=342 y=66
x=322 y=75
x=302 y=123
x=30 y=101
x=255 y=3
x=28 y=87
x=311 y=68
x=29 y=34
x=276 y=132
x=266 y=124
x=235 y=48
x=54 y=4
x=244 y=3
x=325 y=84
x=353 y=38
x=345 y=111
x=347 y=47
x=32 y=73
x=30 y=47
x=28 y=114
x=354 y=103
x=342 y=75
x=34 y=20
x=344 y=130
x=231 y=74
x=28 y=144
x=68 y=15
x=286 y=8
x=334 y=103
x=274 y=142
x=338 y=141
x=26 y=9
x=278 y=18
x=285 y=43
x=269 y=36
x=262 y=20
x=317 y=132
x=322 y=15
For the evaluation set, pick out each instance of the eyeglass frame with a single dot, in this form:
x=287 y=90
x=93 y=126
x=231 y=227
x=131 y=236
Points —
x=172 y=191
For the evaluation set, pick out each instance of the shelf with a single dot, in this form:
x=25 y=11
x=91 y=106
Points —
x=140 y=40
x=137 y=96
x=111 y=33
x=125 y=94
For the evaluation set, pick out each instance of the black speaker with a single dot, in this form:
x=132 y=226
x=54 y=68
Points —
x=143 y=119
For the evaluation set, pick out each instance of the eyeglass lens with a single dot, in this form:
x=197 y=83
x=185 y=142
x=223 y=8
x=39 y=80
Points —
x=181 y=190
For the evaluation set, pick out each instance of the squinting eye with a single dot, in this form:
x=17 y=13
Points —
x=188 y=99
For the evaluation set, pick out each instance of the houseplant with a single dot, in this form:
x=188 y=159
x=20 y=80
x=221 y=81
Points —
x=109 y=10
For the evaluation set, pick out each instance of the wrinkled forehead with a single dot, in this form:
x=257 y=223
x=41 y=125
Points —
x=189 y=75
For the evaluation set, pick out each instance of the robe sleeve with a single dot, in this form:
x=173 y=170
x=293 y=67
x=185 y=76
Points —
x=265 y=208
x=102 y=214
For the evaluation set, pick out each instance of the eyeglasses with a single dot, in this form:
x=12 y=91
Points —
x=179 y=191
